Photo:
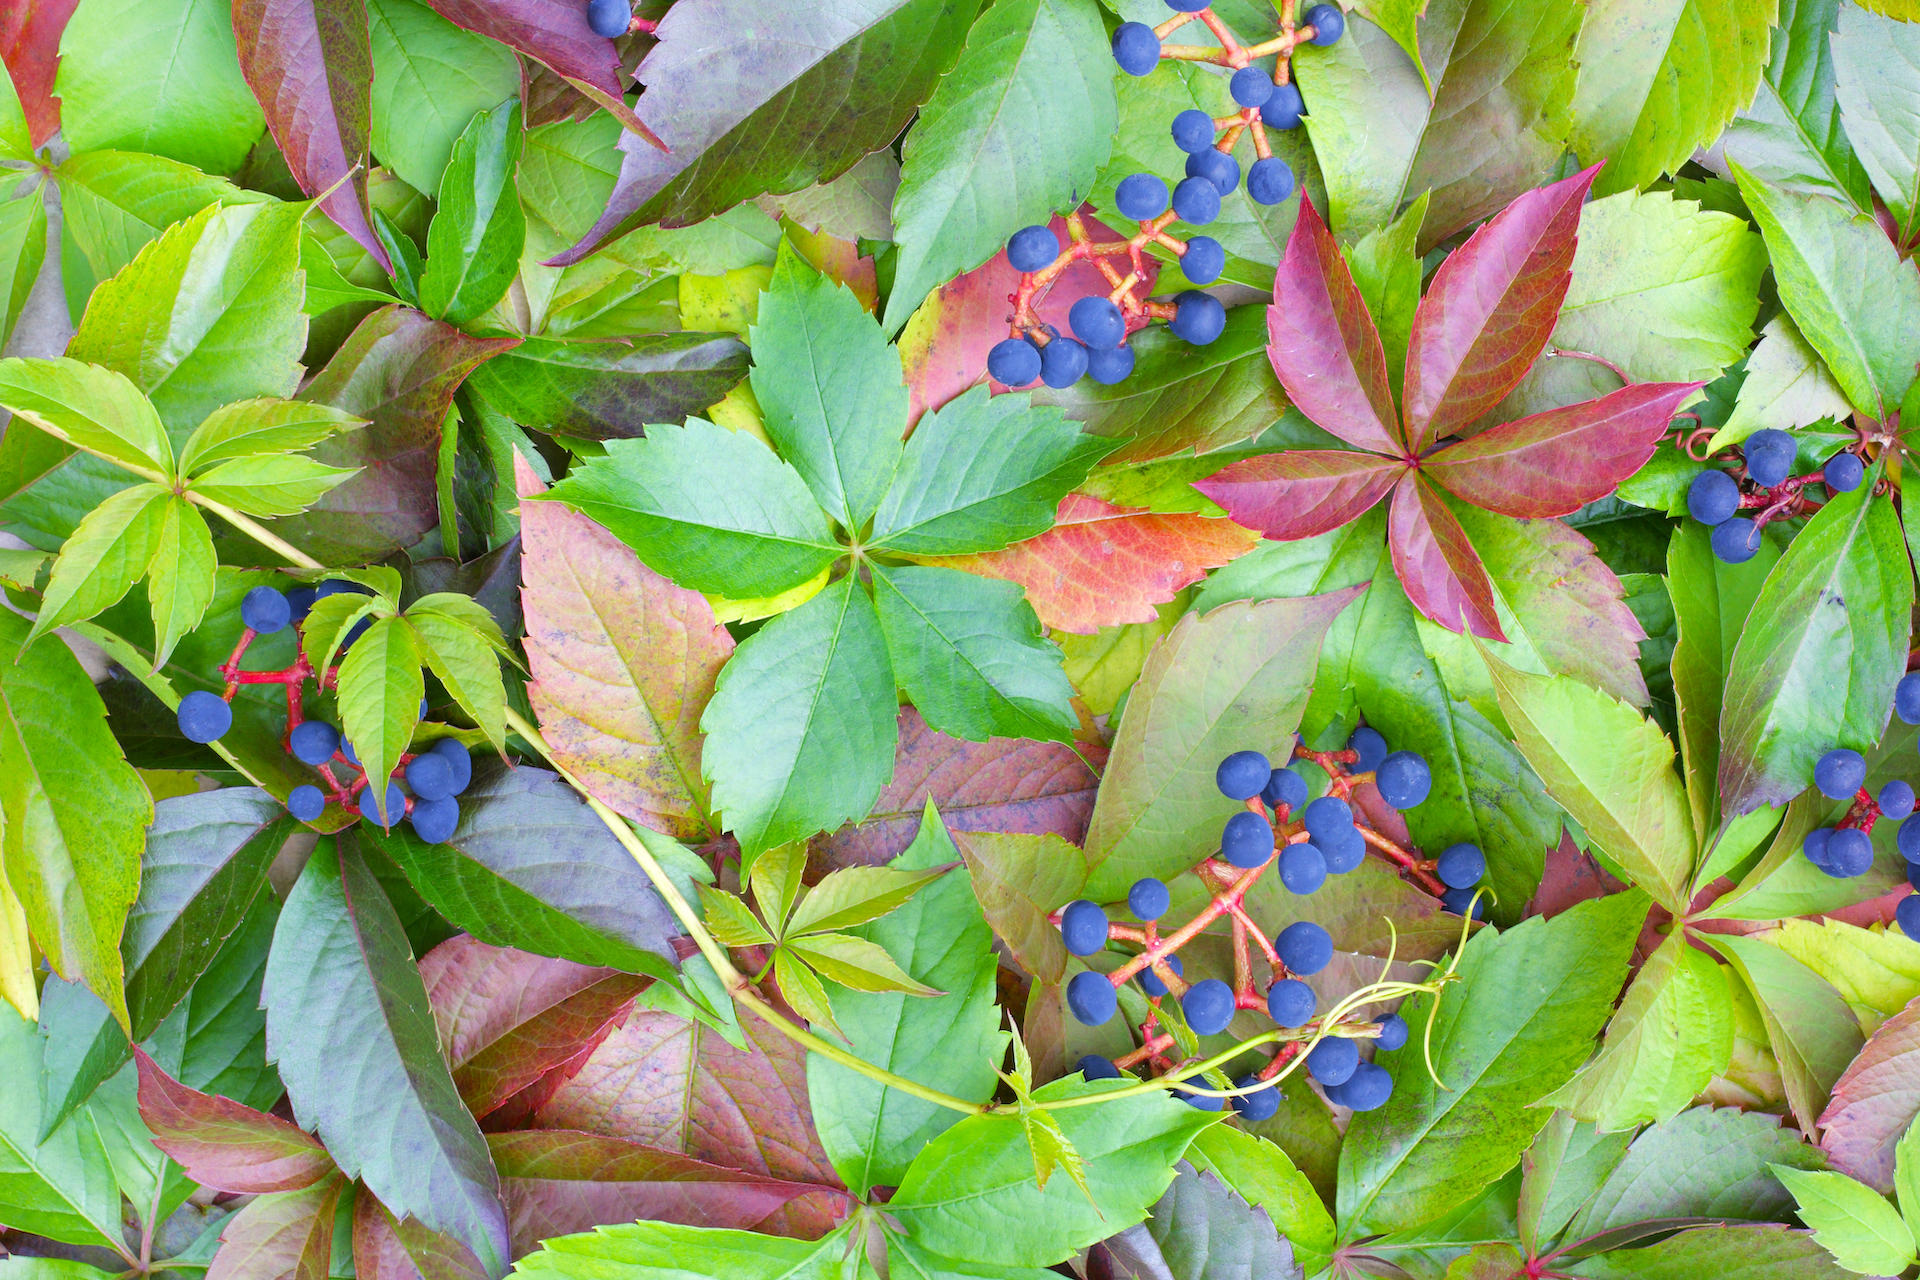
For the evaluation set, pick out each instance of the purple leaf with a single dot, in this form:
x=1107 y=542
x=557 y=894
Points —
x=225 y=1145
x=1436 y=564
x=1875 y=1101
x=1297 y=495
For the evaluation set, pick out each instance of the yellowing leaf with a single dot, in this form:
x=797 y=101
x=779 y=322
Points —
x=776 y=882
x=856 y=963
x=1875 y=971
x=180 y=578
x=729 y=921
x=855 y=895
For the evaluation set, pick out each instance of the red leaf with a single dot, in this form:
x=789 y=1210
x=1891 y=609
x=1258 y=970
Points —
x=670 y=1083
x=222 y=1144
x=1556 y=462
x=1101 y=565
x=280 y=1237
x=1323 y=344
x=557 y=1182
x=386 y=1248
x=623 y=665
x=944 y=346
x=508 y=1017
x=30 y=33
x=399 y=370
x=1436 y=564
x=1297 y=495
x=1003 y=784
x=1490 y=309
x=1874 y=1102
x=310 y=63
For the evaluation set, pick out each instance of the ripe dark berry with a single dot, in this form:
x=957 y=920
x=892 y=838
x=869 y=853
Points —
x=1367 y=743
x=455 y=755
x=1814 y=845
x=1200 y=1101
x=1095 y=1067
x=1304 y=947
x=265 y=610
x=1906 y=697
x=1136 y=48
x=1033 y=248
x=1013 y=362
x=339 y=587
x=1849 y=853
x=1461 y=866
x=1843 y=472
x=1270 y=181
x=1255 y=1107
x=1332 y=1060
x=1188 y=6
x=204 y=717
x=1150 y=981
x=1290 y=1002
x=1284 y=786
x=313 y=742
x=430 y=776
x=1250 y=87
x=1247 y=840
x=396 y=804
x=1735 y=541
x=1457 y=900
x=1327 y=815
x=1204 y=261
x=1769 y=456
x=1217 y=167
x=1196 y=201
x=1404 y=779
x=1241 y=775
x=1907 y=839
x=1110 y=365
x=1367 y=1089
x=1096 y=321
x=1839 y=773
x=1197 y=317
x=1140 y=196
x=1091 y=998
x=1895 y=800
x=1193 y=130
x=609 y=18
x=1083 y=927
x=1328 y=23
x=1062 y=362
x=354 y=632
x=1149 y=898
x=305 y=802
x=1303 y=868
x=1913 y=876
x=1393 y=1032
x=435 y=820
x=1907 y=915
x=1284 y=108
x=1208 y=1006
x=346 y=749
x=1344 y=850
x=1713 y=497
x=300 y=602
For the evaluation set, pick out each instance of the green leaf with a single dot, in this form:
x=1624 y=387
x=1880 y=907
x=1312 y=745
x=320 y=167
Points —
x=106 y=555
x=115 y=203
x=1787 y=385
x=969 y=652
x=1519 y=1023
x=328 y=622
x=1791 y=136
x=349 y=1025
x=1906 y=1174
x=980 y=473
x=474 y=240
x=612 y=390
x=975 y=169
x=1876 y=70
x=1657 y=81
x=1561 y=1171
x=1813 y=1036
x=404 y=254
x=1853 y=1222
x=180 y=579
x=854 y=896
x=256 y=428
x=1873 y=970
x=855 y=963
x=830 y=390
x=88 y=407
x=284 y=485
x=1673 y=1033
x=1018 y=879
x=666 y=1251
x=1387 y=271
x=23 y=248
x=1840 y=279
x=971 y=1191
x=467 y=663
x=1262 y=1175
x=1239 y=675
x=729 y=921
x=801 y=728
x=776 y=881
x=1816 y=667
x=215 y=1038
x=712 y=509
x=380 y=688
x=153 y=75
x=1610 y=769
x=804 y=990
x=62 y=1188
x=429 y=78
x=1752 y=1253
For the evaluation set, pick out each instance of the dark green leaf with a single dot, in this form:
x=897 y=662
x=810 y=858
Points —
x=1752 y=1253
x=612 y=390
x=62 y=1188
x=474 y=240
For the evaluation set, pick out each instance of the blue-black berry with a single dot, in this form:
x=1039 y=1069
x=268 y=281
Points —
x=1149 y=898
x=1769 y=455
x=1250 y=87
x=1895 y=800
x=1284 y=108
x=1907 y=915
x=1461 y=866
x=1193 y=130
x=1096 y=321
x=1095 y=1067
x=1196 y=201
x=204 y=717
x=1136 y=48
x=1906 y=698
x=609 y=18
x=1241 y=775
x=305 y=802
x=1198 y=317
x=1393 y=1032
x=1255 y=1107
x=396 y=804
x=1247 y=840
x=1713 y=497
x=456 y=756
x=435 y=820
x=1458 y=900
x=1327 y=815
x=1814 y=845
x=1091 y=998
x=1284 y=786
x=1013 y=362
x=1062 y=362
x=1270 y=180
x=313 y=742
x=1369 y=746
x=300 y=602
x=1303 y=868
x=1906 y=838
x=1304 y=947
x=431 y=776
x=1839 y=773
x=1404 y=779
x=1328 y=23
x=1290 y=1003
x=1849 y=853
x=1033 y=248
x=265 y=610
x=1736 y=541
x=1083 y=927
x=1217 y=167
x=1332 y=1060
x=1140 y=196
x=1366 y=1089
x=1843 y=472
x=1110 y=364
x=1208 y=1006
x=1150 y=981
x=1344 y=849
x=1205 y=259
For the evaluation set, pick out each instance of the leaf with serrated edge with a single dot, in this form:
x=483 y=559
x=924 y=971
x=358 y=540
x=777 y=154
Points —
x=467 y=664
x=475 y=238
x=1874 y=1102
x=225 y=1145
x=1753 y=1253
x=664 y=1251
x=380 y=688
x=109 y=551
x=1787 y=385
x=62 y=1188
x=277 y=485
x=1876 y=75
x=261 y=426
x=88 y=407
x=1812 y=1034
x=1854 y=1223
x=1792 y=134
x=288 y=1235
x=855 y=963
x=729 y=921
x=1875 y=971
x=1260 y=1173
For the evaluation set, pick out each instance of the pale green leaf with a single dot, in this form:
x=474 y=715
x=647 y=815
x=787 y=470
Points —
x=855 y=895
x=106 y=555
x=1876 y=68
x=804 y=991
x=776 y=882
x=380 y=688
x=729 y=921
x=90 y=408
x=1792 y=135
x=1812 y=1035
x=1876 y=971
x=467 y=664
x=475 y=238
x=1787 y=385
x=1854 y=1222
x=283 y=484
x=856 y=963
x=429 y=78
x=180 y=578
x=249 y=428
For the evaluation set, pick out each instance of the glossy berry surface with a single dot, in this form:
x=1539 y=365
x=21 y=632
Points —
x=305 y=802
x=1367 y=1089
x=1222 y=170
x=1247 y=840
x=1404 y=779
x=1839 y=773
x=265 y=610
x=1196 y=201
x=1198 y=317
x=1083 y=927
x=1149 y=898
x=1111 y=365
x=1095 y=1067
x=1140 y=196
x=1285 y=108
x=396 y=804
x=1907 y=916
x=1457 y=901
x=430 y=776
x=1188 y=6
x=1344 y=849
x=1461 y=866
x=1895 y=800
x=609 y=18
x=1327 y=815
x=1205 y=260
x=1849 y=853
x=1270 y=180
x=1843 y=472
x=1814 y=846
x=1193 y=130
x=300 y=602
x=1303 y=868
x=1097 y=321
x=1332 y=1060
x=1208 y=1006
x=1290 y=1002
x=1328 y=22
x=1136 y=48
x=1091 y=998
x=1735 y=541
x=1250 y=87
x=1906 y=698
x=1150 y=981
x=435 y=820
x=313 y=742
x=1255 y=1107
x=1367 y=743
x=1907 y=838
x=1769 y=456
x=1284 y=786
x=1063 y=362
x=1033 y=248
x=1241 y=775
x=1393 y=1032
x=204 y=717
x=1713 y=497
x=457 y=758
x=1013 y=362
x=1304 y=947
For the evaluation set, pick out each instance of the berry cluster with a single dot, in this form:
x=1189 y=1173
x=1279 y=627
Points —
x=1716 y=497
x=1101 y=326
x=434 y=777
x=1306 y=841
x=1845 y=849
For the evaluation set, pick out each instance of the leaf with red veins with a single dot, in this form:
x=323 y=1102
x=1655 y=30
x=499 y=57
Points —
x=557 y=1182
x=288 y=1236
x=30 y=33
x=1490 y=310
x=310 y=63
x=1102 y=565
x=1323 y=343
x=222 y=1144
x=386 y=1248
x=1874 y=1103
x=623 y=664
x=1297 y=495
x=1002 y=784
x=1435 y=563
x=1556 y=462
x=508 y=1017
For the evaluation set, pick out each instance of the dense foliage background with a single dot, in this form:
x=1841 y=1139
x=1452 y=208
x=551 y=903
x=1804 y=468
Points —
x=809 y=743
